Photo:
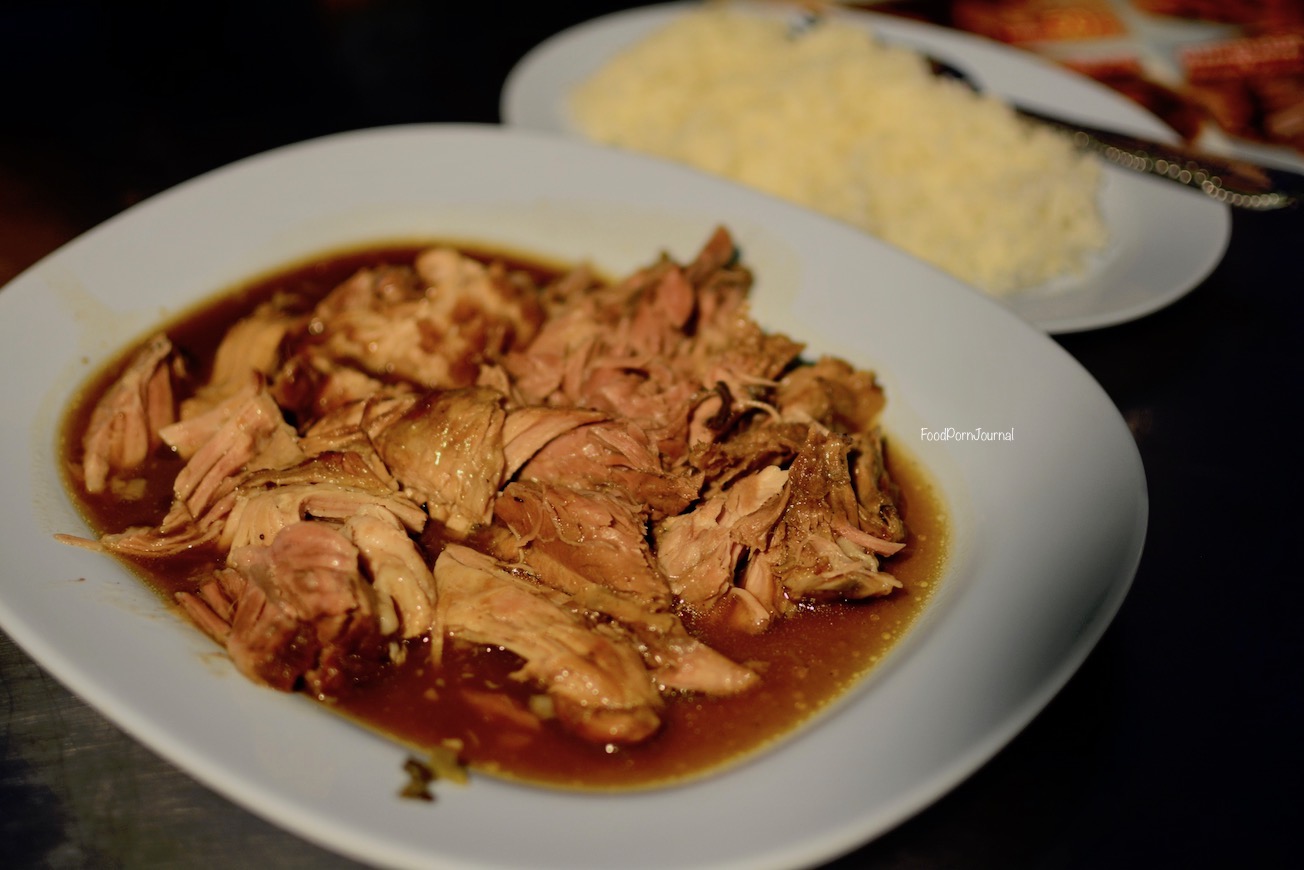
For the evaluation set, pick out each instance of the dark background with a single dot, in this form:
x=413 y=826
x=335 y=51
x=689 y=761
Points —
x=1178 y=744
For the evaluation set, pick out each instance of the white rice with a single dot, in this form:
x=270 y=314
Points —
x=863 y=131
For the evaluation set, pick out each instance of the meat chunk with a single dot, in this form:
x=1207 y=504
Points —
x=447 y=450
x=400 y=578
x=310 y=386
x=299 y=610
x=431 y=325
x=817 y=549
x=124 y=425
x=682 y=663
x=677 y=660
x=701 y=551
x=616 y=453
x=595 y=676
x=254 y=437
x=528 y=430
x=187 y=435
x=876 y=492
x=599 y=535
x=250 y=351
x=256 y=514
x=833 y=393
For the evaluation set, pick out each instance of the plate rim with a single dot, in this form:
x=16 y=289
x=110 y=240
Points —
x=103 y=698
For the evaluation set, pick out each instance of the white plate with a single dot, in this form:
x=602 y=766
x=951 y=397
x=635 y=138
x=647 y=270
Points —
x=1164 y=238
x=1048 y=527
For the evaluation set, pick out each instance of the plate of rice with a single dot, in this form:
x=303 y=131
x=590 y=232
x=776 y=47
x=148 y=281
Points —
x=840 y=112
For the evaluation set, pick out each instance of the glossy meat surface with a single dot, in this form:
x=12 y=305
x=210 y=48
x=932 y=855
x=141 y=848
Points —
x=440 y=452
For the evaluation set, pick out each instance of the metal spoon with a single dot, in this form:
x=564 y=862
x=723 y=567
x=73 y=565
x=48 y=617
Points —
x=1238 y=183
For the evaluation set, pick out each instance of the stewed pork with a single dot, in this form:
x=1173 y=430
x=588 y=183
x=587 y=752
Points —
x=438 y=455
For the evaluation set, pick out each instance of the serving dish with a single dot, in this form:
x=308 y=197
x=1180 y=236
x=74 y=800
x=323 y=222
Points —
x=1047 y=526
x=1164 y=239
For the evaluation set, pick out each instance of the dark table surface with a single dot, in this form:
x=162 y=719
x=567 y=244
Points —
x=1178 y=743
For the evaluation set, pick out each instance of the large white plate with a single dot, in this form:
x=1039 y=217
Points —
x=1164 y=238
x=1048 y=527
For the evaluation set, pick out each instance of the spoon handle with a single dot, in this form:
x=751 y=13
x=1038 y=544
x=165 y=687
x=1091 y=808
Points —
x=1235 y=182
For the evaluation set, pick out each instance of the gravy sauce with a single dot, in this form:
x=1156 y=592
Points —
x=469 y=703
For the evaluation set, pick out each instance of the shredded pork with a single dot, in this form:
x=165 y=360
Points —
x=574 y=473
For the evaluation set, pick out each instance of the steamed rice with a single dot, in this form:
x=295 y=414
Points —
x=863 y=131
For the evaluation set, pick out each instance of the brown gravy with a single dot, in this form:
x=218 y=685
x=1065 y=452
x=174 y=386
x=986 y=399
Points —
x=469 y=703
